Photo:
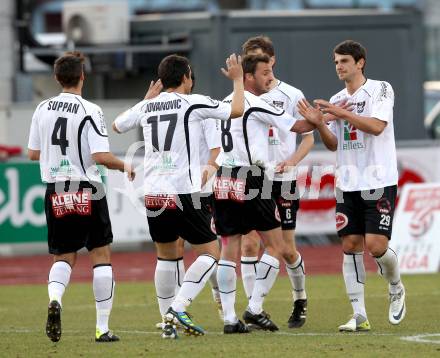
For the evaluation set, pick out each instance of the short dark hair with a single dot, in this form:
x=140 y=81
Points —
x=171 y=70
x=352 y=48
x=68 y=68
x=261 y=42
x=250 y=62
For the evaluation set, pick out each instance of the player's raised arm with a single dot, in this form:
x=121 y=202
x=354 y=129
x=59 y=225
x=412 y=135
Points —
x=234 y=71
x=154 y=89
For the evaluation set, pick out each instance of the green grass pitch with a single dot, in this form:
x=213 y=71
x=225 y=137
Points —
x=23 y=312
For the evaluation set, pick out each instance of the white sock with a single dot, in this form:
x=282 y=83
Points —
x=248 y=273
x=353 y=270
x=267 y=272
x=59 y=277
x=103 y=288
x=165 y=282
x=214 y=285
x=297 y=276
x=194 y=281
x=227 y=282
x=180 y=274
x=389 y=268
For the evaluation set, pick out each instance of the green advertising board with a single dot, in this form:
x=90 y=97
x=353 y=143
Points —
x=22 y=217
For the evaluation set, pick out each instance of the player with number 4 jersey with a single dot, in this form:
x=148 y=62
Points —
x=68 y=136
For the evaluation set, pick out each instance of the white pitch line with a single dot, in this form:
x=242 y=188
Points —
x=422 y=338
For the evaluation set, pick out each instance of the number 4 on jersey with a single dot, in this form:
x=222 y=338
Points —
x=61 y=140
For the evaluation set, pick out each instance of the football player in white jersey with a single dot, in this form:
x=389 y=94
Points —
x=69 y=137
x=242 y=194
x=171 y=124
x=282 y=150
x=366 y=177
x=210 y=145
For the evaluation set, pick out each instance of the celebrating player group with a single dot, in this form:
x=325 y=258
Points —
x=221 y=175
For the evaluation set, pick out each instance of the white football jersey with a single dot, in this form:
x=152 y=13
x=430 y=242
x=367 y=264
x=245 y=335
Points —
x=244 y=140
x=67 y=130
x=171 y=124
x=210 y=139
x=366 y=161
x=282 y=144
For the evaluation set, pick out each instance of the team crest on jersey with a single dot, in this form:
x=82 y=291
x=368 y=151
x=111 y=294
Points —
x=79 y=203
x=278 y=104
x=360 y=106
x=341 y=221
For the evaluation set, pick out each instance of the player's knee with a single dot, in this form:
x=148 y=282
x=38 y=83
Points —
x=289 y=257
x=101 y=255
x=250 y=249
x=376 y=249
x=351 y=246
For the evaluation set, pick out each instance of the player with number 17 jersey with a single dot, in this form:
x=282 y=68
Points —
x=171 y=125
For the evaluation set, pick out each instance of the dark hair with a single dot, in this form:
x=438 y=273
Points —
x=68 y=68
x=250 y=62
x=259 y=42
x=352 y=48
x=171 y=70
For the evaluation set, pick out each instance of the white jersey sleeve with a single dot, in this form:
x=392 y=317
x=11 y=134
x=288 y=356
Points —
x=212 y=132
x=34 y=135
x=131 y=118
x=383 y=102
x=97 y=134
x=204 y=107
x=293 y=108
x=273 y=116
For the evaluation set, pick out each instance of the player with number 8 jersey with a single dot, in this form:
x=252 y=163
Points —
x=242 y=194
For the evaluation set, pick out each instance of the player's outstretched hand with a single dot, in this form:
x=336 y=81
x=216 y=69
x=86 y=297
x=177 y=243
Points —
x=154 y=89
x=338 y=111
x=284 y=167
x=130 y=171
x=344 y=105
x=234 y=70
x=310 y=113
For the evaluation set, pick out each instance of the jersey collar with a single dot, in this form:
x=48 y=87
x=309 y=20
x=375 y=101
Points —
x=368 y=87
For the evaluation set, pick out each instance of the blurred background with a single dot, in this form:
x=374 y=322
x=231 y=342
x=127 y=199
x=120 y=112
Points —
x=124 y=42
